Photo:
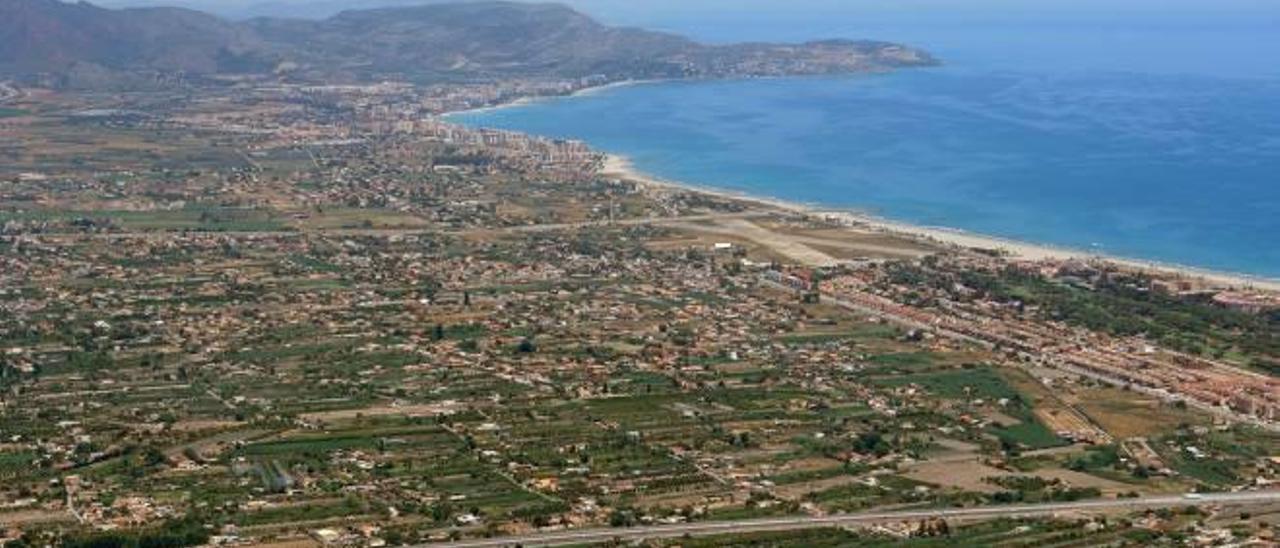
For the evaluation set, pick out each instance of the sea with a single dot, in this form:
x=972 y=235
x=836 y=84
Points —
x=1156 y=140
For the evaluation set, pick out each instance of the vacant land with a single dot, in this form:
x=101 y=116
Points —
x=1125 y=414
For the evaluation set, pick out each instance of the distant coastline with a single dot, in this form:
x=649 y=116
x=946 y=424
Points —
x=621 y=167
x=525 y=101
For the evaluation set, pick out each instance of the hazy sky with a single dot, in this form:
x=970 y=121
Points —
x=636 y=11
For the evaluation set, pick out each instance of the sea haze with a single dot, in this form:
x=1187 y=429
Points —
x=1174 y=159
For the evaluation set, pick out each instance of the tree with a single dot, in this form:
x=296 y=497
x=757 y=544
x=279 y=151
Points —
x=152 y=456
x=526 y=346
x=173 y=534
x=441 y=512
x=871 y=443
x=622 y=517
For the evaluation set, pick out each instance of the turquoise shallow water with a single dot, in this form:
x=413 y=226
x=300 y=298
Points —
x=1181 y=168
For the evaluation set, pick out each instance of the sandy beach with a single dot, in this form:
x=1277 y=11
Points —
x=492 y=108
x=621 y=167
x=523 y=101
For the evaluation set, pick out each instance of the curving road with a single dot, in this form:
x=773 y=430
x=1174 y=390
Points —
x=586 y=536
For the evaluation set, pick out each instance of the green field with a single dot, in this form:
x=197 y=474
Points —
x=978 y=383
x=857 y=496
x=984 y=383
x=204 y=219
x=860 y=333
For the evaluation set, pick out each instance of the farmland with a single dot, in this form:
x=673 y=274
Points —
x=254 y=320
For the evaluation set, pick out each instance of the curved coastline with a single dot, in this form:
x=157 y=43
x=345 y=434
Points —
x=620 y=166
x=526 y=101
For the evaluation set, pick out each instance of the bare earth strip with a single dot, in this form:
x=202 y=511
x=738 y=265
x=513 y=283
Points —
x=784 y=245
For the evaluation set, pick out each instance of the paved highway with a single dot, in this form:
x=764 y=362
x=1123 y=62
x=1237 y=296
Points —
x=584 y=536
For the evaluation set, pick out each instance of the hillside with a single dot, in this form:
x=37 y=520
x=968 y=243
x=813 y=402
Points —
x=472 y=39
x=439 y=42
x=52 y=36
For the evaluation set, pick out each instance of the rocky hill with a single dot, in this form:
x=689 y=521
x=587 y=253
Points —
x=82 y=45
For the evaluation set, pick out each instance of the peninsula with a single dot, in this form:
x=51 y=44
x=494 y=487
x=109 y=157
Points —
x=51 y=43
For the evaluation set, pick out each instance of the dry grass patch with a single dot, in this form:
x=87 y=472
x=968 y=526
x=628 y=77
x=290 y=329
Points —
x=1127 y=414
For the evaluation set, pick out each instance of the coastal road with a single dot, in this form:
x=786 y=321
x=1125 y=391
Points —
x=586 y=536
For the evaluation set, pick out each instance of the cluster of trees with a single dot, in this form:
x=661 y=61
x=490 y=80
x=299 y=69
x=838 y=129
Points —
x=1124 y=305
x=1071 y=494
x=872 y=443
x=172 y=534
x=932 y=528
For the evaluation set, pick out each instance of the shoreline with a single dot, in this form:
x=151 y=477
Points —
x=525 y=101
x=621 y=167
x=491 y=108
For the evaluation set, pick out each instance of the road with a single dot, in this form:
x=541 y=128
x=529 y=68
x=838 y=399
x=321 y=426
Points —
x=562 y=538
x=1049 y=360
x=892 y=318
x=684 y=221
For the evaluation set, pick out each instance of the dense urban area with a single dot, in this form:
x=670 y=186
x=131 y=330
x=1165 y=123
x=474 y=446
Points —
x=293 y=315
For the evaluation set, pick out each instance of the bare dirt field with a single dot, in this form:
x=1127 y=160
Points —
x=1129 y=414
x=967 y=475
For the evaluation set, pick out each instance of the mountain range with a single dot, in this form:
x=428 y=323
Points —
x=83 y=45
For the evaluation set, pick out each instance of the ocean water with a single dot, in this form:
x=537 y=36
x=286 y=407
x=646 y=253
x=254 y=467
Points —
x=1176 y=160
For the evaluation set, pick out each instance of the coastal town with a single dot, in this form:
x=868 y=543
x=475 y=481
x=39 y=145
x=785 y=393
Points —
x=275 y=314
